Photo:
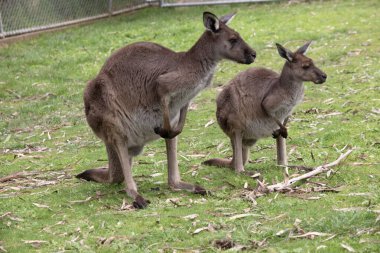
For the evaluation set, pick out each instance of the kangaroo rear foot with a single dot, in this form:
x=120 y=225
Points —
x=140 y=202
x=98 y=175
x=188 y=187
x=219 y=162
x=101 y=175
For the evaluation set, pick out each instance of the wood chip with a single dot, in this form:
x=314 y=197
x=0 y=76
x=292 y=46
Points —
x=239 y=216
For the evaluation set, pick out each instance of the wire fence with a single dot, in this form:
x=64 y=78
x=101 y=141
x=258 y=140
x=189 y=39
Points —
x=182 y=3
x=24 y=16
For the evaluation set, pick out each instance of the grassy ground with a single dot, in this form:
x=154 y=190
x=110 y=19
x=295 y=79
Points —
x=44 y=135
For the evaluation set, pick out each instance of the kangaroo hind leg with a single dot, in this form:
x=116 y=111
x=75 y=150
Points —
x=174 y=177
x=121 y=148
x=111 y=174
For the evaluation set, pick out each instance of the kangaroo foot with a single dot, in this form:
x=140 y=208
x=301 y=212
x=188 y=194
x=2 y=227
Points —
x=165 y=133
x=140 y=202
x=200 y=190
x=97 y=175
x=188 y=187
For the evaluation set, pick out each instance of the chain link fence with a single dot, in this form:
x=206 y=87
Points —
x=23 y=16
x=179 y=3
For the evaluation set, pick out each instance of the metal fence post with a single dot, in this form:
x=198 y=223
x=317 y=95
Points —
x=110 y=7
x=1 y=27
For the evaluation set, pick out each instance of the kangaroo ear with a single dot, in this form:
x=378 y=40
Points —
x=226 y=19
x=285 y=53
x=304 y=48
x=210 y=21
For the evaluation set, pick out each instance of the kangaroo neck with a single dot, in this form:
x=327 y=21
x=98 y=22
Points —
x=203 y=53
x=288 y=80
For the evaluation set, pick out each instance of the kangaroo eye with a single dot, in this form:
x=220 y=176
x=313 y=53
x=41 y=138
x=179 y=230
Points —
x=305 y=66
x=233 y=41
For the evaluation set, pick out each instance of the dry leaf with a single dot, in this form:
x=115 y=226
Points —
x=41 y=206
x=80 y=201
x=359 y=194
x=209 y=228
x=156 y=174
x=256 y=175
x=282 y=232
x=210 y=123
x=190 y=217
x=310 y=235
x=239 y=216
x=173 y=200
x=328 y=115
x=347 y=247
x=2 y=249
x=350 y=209
x=126 y=206
x=34 y=243
x=198 y=230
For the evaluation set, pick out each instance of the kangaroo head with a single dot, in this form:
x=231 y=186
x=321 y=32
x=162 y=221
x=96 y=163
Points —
x=302 y=67
x=226 y=42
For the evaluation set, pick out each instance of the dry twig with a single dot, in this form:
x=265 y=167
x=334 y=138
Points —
x=286 y=186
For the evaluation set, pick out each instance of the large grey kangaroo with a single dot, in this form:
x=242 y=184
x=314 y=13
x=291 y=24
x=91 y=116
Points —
x=257 y=103
x=143 y=92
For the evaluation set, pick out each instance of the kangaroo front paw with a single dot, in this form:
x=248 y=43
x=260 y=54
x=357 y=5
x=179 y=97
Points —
x=276 y=133
x=140 y=202
x=165 y=133
x=283 y=131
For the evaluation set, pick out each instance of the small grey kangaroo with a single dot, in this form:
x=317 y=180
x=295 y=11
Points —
x=142 y=93
x=257 y=103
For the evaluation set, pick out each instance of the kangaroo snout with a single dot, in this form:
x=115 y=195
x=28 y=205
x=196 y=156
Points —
x=321 y=78
x=250 y=56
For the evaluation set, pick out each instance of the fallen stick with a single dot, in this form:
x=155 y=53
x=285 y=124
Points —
x=316 y=171
x=20 y=174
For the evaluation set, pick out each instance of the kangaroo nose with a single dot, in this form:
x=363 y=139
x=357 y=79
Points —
x=253 y=54
x=324 y=76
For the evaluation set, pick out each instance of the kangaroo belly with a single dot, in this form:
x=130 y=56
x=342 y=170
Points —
x=139 y=127
x=262 y=127
x=259 y=128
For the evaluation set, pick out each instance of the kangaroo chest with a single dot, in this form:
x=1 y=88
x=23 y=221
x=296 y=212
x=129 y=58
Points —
x=263 y=126
x=186 y=94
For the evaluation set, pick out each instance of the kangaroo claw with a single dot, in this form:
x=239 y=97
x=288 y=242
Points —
x=140 y=202
x=200 y=190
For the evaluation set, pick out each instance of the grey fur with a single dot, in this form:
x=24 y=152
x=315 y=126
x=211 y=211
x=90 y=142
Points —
x=257 y=102
x=143 y=91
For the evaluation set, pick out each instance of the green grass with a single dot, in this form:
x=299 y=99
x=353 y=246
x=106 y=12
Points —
x=41 y=86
